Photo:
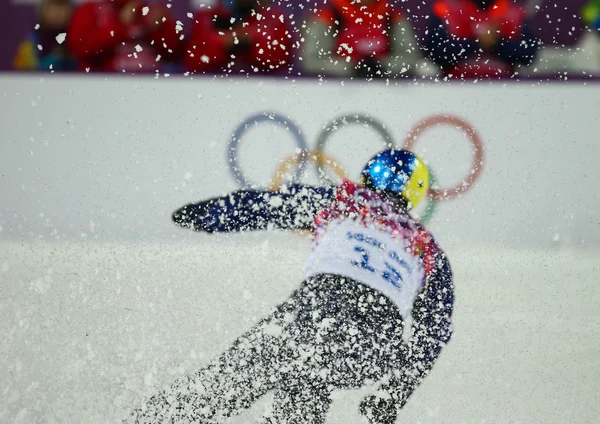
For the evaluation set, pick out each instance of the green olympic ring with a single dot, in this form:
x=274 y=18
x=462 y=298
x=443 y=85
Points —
x=432 y=202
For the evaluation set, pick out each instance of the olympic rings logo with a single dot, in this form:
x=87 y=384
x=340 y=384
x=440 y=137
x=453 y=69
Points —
x=295 y=164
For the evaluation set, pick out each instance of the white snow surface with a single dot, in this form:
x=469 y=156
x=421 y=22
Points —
x=89 y=329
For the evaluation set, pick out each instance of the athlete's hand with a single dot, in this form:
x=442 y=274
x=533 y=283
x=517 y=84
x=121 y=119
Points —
x=378 y=410
x=185 y=216
x=200 y=216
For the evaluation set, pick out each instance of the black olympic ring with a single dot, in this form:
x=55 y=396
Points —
x=342 y=121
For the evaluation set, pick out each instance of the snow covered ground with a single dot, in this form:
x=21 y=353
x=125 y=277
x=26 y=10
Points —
x=87 y=330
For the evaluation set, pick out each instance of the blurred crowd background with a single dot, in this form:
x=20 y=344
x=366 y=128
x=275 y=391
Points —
x=463 y=39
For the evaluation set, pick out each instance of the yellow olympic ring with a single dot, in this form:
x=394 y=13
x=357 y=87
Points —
x=289 y=165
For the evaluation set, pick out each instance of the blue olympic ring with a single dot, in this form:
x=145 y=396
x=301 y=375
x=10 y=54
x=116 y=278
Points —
x=340 y=122
x=239 y=132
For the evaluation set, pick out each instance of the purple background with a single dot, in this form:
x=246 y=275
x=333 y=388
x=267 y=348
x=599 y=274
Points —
x=554 y=22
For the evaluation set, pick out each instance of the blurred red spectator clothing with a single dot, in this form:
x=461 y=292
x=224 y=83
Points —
x=257 y=42
x=465 y=19
x=123 y=36
x=364 y=29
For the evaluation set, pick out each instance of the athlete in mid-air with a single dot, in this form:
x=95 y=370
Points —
x=372 y=268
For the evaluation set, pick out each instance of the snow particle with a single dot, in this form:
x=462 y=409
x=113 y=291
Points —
x=275 y=201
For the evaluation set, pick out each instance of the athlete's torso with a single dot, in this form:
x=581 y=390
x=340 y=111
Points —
x=362 y=237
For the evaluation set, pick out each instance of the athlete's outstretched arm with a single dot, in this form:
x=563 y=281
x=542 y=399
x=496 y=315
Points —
x=432 y=329
x=293 y=207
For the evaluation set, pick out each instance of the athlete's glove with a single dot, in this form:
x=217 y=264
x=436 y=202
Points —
x=379 y=410
x=200 y=216
x=221 y=214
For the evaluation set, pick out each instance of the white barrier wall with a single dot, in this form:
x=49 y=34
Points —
x=92 y=158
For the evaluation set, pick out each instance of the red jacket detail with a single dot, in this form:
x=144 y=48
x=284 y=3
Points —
x=210 y=47
x=364 y=31
x=100 y=42
x=466 y=20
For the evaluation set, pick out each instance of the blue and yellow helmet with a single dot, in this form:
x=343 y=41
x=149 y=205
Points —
x=398 y=174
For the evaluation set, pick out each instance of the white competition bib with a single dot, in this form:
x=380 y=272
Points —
x=371 y=257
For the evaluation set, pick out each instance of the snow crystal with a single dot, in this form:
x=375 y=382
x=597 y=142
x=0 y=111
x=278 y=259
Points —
x=273 y=330
x=60 y=38
x=145 y=10
x=275 y=201
x=148 y=379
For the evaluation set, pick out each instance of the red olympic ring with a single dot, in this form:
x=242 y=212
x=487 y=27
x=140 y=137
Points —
x=475 y=139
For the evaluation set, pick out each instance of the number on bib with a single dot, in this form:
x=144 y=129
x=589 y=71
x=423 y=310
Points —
x=392 y=275
x=364 y=263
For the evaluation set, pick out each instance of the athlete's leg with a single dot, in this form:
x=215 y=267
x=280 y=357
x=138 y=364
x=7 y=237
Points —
x=299 y=404
x=229 y=384
x=344 y=334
